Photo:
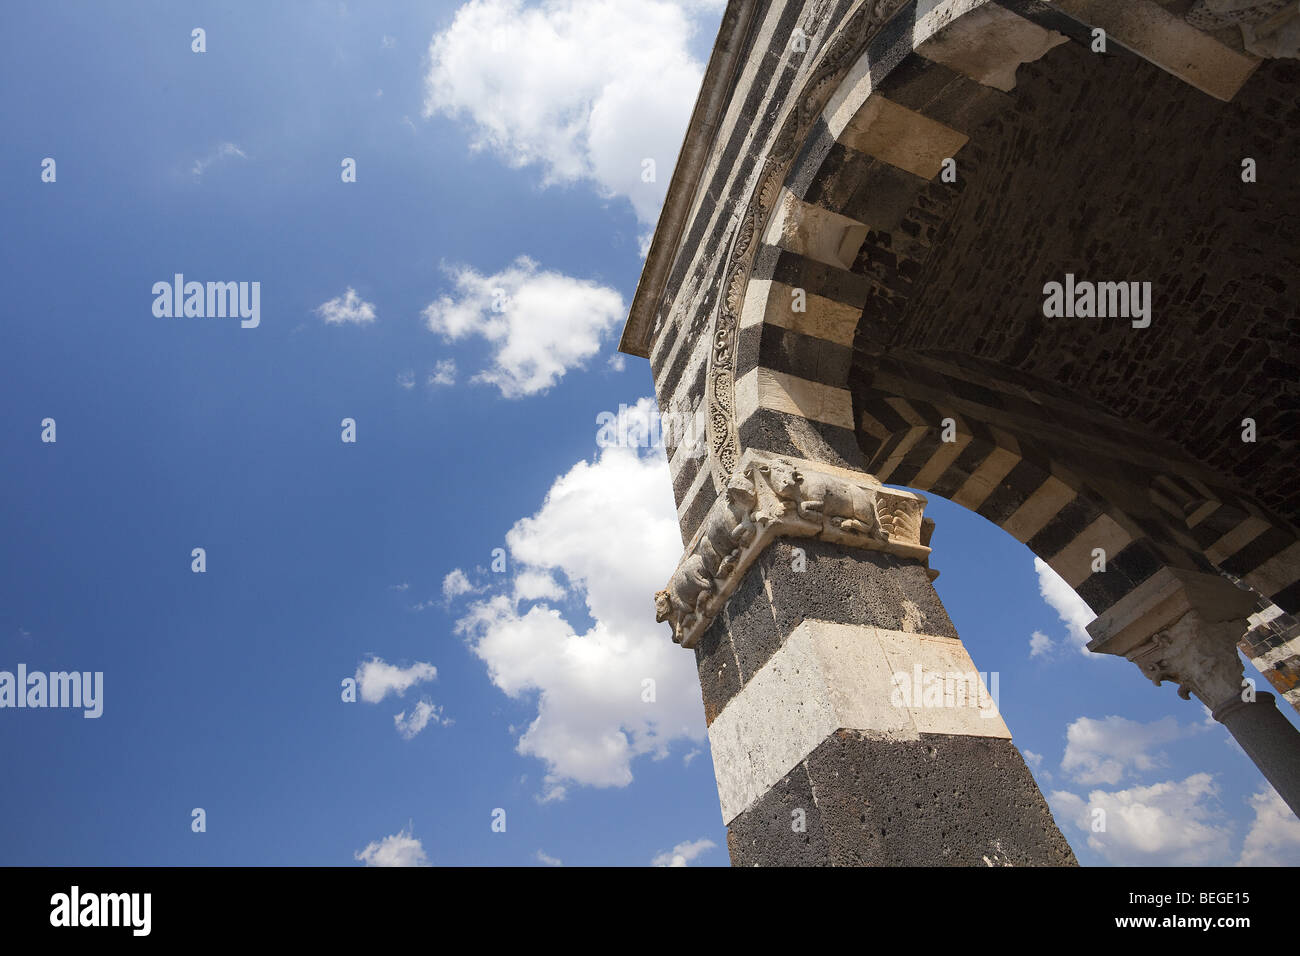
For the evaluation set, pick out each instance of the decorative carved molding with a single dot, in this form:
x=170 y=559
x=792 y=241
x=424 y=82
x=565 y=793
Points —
x=768 y=497
x=1198 y=655
x=847 y=45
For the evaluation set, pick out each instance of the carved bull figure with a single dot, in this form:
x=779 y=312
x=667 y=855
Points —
x=841 y=503
x=690 y=587
x=728 y=530
x=784 y=481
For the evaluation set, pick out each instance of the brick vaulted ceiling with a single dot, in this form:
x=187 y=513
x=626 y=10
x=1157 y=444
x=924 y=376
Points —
x=1113 y=170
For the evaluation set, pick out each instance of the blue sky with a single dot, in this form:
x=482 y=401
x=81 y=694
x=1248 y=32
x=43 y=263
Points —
x=461 y=301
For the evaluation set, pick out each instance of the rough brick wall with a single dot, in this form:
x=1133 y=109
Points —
x=1114 y=170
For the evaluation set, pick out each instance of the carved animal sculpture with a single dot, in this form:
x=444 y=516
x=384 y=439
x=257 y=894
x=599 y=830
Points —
x=784 y=480
x=690 y=587
x=843 y=504
x=728 y=530
x=663 y=606
x=740 y=492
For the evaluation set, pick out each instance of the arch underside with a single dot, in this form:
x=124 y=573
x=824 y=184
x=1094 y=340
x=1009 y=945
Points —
x=923 y=299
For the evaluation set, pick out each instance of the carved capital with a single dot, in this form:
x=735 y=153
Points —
x=1198 y=655
x=769 y=496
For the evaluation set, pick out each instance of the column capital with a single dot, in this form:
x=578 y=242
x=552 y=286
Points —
x=1198 y=655
x=1180 y=626
x=770 y=496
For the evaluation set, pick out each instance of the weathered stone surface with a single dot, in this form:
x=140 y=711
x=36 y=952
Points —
x=871 y=589
x=941 y=800
x=887 y=684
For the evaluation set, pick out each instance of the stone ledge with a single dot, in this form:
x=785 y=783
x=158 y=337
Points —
x=769 y=497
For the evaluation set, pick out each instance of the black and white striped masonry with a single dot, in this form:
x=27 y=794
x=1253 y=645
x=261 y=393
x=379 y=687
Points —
x=849 y=272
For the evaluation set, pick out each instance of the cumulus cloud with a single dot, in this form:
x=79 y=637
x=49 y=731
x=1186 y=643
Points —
x=683 y=853
x=1072 y=609
x=1175 y=823
x=608 y=527
x=406 y=379
x=1040 y=644
x=378 y=679
x=533 y=585
x=1274 y=835
x=400 y=849
x=455 y=584
x=1103 y=751
x=424 y=711
x=444 y=373
x=348 y=307
x=584 y=90
x=539 y=324
x=224 y=151
x=547 y=860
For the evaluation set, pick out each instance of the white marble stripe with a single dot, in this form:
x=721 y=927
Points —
x=827 y=677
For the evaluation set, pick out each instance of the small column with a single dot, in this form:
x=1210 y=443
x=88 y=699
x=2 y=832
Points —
x=847 y=722
x=1184 y=627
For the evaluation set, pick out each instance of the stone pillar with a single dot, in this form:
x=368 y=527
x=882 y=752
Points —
x=1184 y=627
x=1269 y=740
x=848 y=724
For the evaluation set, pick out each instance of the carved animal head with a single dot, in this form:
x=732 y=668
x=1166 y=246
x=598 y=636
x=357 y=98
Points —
x=784 y=479
x=663 y=606
x=740 y=490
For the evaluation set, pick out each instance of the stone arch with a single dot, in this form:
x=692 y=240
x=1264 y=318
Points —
x=826 y=261
x=816 y=171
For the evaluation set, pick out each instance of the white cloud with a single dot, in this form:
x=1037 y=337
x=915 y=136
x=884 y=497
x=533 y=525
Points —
x=349 y=307
x=591 y=722
x=532 y=585
x=1035 y=762
x=584 y=89
x=398 y=587
x=1102 y=751
x=400 y=849
x=547 y=860
x=683 y=853
x=540 y=324
x=424 y=711
x=455 y=584
x=690 y=755
x=1274 y=836
x=406 y=379
x=444 y=373
x=1072 y=609
x=378 y=679
x=1039 y=644
x=386 y=42
x=1175 y=823
x=221 y=152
